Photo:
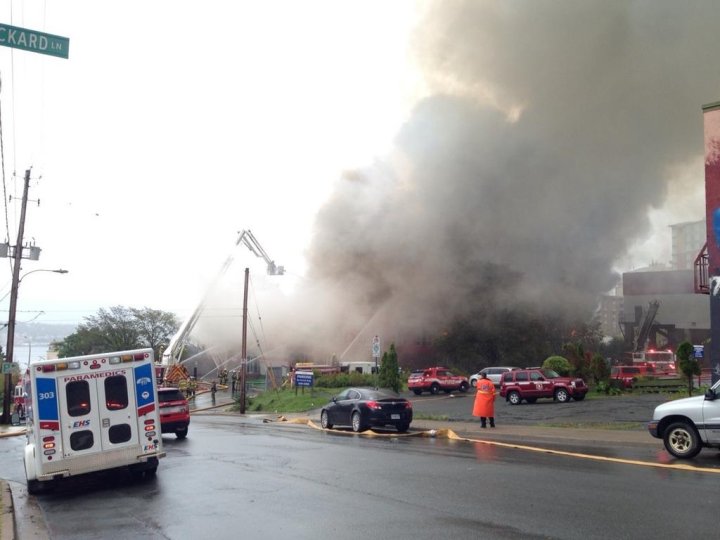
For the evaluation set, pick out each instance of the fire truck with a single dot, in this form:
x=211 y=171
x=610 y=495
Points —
x=661 y=362
x=19 y=396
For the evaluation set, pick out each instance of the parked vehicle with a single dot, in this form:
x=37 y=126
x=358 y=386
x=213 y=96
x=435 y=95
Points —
x=493 y=373
x=91 y=413
x=363 y=408
x=532 y=384
x=174 y=411
x=435 y=379
x=627 y=375
x=687 y=425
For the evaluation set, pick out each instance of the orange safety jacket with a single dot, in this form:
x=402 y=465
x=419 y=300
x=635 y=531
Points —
x=484 y=399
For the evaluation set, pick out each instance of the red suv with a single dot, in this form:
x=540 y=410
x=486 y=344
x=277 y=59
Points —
x=531 y=384
x=435 y=379
x=174 y=412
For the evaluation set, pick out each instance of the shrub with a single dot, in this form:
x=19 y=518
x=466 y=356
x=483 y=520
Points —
x=610 y=388
x=559 y=364
x=343 y=380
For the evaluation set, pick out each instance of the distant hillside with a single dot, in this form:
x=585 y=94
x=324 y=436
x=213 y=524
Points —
x=38 y=333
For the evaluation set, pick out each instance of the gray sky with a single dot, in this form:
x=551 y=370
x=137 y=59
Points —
x=377 y=148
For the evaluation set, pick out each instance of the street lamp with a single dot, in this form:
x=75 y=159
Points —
x=11 y=333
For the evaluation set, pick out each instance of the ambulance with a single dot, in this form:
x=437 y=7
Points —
x=91 y=413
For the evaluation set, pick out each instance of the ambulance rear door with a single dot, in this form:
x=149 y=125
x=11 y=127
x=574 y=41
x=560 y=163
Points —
x=98 y=411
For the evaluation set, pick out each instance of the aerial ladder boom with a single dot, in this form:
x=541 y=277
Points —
x=174 y=350
x=646 y=326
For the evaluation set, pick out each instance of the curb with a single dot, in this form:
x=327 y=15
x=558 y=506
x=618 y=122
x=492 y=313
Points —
x=13 y=433
x=7 y=530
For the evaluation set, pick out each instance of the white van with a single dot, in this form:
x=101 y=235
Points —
x=91 y=413
x=358 y=367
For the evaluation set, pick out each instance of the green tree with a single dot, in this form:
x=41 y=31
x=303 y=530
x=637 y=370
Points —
x=84 y=340
x=389 y=376
x=559 y=364
x=155 y=327
x=578 y=358
x=688 y=364
x=613 y=348
x=119 y=328
x=599 y=368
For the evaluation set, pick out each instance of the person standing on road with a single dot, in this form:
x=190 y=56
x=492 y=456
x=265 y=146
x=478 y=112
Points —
x=484 y=405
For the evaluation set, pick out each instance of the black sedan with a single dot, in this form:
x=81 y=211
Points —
x=363 y=408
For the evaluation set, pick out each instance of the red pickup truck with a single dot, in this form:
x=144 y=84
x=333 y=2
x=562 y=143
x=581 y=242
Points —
x=435 y=379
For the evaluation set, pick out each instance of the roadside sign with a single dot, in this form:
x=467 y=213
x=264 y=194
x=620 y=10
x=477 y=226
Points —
x=303 y=378
x=7 y=368
x=376 y=347
x=30 y=40
x=699 y=351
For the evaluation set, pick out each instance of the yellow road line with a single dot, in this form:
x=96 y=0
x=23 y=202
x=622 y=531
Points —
x=675 y=466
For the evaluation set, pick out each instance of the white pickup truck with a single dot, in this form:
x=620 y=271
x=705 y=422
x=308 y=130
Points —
x=687 y=425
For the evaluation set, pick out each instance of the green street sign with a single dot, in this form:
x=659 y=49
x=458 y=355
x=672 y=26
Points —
x=30 y=40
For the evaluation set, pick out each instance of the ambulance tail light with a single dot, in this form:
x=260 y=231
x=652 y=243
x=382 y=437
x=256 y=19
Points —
x=47 y=367
x=150 y=430
x=48 y=444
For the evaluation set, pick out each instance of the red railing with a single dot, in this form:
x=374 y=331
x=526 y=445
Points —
x=701 y=272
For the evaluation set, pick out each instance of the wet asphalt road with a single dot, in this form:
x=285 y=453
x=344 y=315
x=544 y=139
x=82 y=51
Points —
x=236 y=476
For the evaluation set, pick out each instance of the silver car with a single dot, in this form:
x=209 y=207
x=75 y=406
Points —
x=493 y=373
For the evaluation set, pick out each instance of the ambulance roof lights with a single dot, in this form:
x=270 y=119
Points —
x=62 y=366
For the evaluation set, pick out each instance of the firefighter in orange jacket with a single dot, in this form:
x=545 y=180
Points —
x=484 y=405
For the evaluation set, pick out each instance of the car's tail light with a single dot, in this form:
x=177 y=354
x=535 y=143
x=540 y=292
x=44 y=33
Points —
x=408 y=405
x=372 y=404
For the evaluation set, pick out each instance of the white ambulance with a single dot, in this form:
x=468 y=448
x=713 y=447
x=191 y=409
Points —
x=90 y=413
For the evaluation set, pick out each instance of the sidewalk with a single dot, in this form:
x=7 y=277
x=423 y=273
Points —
x=11 y=431
x=7 y=506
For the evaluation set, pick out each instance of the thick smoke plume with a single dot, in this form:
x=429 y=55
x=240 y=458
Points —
x=549 y=131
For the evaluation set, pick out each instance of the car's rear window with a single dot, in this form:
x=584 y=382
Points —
x=172 y=395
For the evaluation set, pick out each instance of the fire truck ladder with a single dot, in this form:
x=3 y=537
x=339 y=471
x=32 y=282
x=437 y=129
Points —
x=644 y=332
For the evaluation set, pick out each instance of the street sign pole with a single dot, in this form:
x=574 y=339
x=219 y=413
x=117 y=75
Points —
x=376 y=355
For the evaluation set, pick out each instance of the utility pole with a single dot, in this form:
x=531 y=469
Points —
x=243 y=360
x=13 y=303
